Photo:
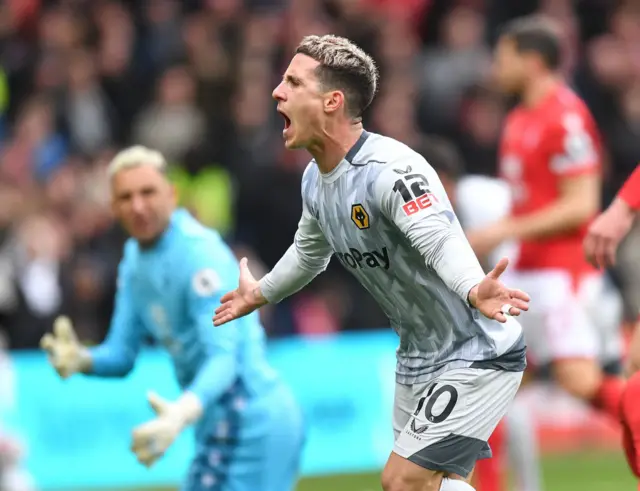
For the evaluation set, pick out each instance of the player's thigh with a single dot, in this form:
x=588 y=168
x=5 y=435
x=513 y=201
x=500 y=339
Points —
x=258 y=446
x=452 y=419
x=401 y=474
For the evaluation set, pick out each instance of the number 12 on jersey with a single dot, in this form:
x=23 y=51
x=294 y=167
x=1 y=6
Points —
x=414 y=190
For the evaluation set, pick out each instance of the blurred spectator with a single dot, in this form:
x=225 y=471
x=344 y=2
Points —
x=459 y=61
x=172 y=124
x=194 y=78
x=85 y=107
x=36 y=149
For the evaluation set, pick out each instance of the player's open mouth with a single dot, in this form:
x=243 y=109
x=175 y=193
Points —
x=287 y=121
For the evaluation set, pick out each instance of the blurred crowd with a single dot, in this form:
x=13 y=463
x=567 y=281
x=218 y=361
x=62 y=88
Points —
x=80 y=79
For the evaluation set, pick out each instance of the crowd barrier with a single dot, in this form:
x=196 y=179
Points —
x=78 y=431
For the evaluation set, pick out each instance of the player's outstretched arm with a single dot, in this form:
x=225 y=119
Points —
x=241 y=301
x=611 y=227
x=417 y=204
x=113 y=358
x=116 y=356
x=305 y=259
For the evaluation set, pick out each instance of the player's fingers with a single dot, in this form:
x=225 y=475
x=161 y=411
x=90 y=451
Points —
x=500 y=317
x=63 y=329
x=515 y=311
x=59 y=365
x=589 y=249
x=222 y=319
x=143 y=454
x=139 y=438
x=47 y=343
x=62 y=370
x=520 y=295
x=610 y=249
x=227 y=297
x=157 y=403
x=600 y=253
x=244 y=269
x=499 y=269
x=224 y=307
x=519 y=304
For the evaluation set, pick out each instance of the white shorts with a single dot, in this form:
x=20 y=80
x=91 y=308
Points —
x=565 y=321
x=443 y=425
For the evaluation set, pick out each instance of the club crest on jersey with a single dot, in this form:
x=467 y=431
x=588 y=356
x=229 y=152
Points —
x=359 y=216
x=205 y=282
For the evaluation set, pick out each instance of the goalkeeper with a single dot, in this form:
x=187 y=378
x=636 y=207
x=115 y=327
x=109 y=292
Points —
x=248 y=426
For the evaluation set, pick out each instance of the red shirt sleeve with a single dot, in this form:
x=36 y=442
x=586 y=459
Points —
x=630 y=192
x=572 y=146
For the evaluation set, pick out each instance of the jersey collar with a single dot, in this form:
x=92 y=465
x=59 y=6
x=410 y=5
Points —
x=347 y=161
x=165 y=238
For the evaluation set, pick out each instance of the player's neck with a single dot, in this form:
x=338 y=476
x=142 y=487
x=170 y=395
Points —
x=149 y=244
x=333 y=146
x=538 y=89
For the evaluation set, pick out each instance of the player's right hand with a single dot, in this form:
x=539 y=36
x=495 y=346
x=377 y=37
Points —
x=64 y=350
x=241 y=301
x=606 y=233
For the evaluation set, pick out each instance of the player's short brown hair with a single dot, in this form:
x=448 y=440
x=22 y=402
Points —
x=535 y=34
x=343 y=66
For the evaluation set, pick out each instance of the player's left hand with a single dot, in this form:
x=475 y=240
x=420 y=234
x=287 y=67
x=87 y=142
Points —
x=494 y=300
x=152 y=439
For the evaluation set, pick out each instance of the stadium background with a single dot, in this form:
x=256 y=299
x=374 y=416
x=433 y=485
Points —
x=79 y=79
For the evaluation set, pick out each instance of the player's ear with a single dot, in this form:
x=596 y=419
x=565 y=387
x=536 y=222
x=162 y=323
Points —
x=333 y=101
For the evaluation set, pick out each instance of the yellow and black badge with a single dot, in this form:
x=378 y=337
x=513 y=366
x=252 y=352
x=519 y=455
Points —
x=360 y=216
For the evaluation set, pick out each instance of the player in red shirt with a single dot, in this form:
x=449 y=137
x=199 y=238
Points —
x=550 y=154
x=600 y=246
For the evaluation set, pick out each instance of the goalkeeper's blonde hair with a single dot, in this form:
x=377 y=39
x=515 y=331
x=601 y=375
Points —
x=136 y=156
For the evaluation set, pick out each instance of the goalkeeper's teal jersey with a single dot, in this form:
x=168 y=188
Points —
x=250 y=435
x=169 y=292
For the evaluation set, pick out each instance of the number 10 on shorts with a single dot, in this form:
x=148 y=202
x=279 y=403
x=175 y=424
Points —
x=433 y=396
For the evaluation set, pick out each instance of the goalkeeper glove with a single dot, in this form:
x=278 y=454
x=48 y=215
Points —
x=66 y=354
x=152 y=439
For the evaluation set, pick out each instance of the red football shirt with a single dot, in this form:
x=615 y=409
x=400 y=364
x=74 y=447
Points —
x=540 y=146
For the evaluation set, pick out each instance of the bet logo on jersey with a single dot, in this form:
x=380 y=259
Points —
x=359 y=216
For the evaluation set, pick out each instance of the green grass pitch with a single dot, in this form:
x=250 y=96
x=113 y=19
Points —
x=580 y=472
x=589 y=471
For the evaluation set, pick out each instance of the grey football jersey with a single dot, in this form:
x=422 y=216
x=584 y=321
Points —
x=384 y=213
